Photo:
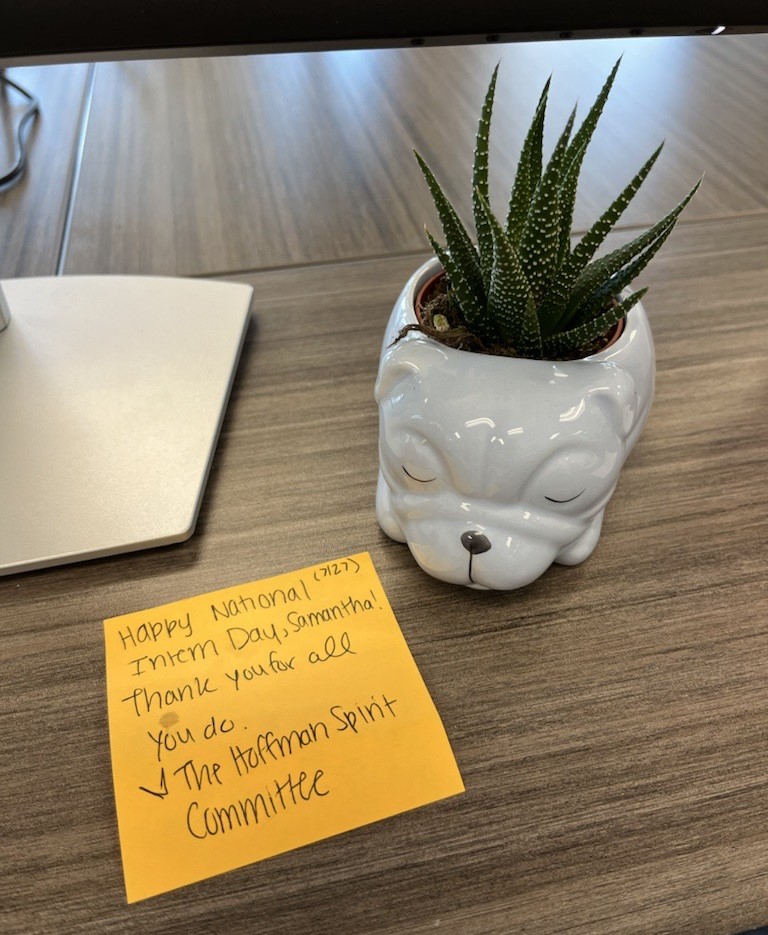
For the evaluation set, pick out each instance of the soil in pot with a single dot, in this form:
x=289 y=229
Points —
x=440 y=318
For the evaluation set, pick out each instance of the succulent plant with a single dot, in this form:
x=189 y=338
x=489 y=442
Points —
x=521 y=288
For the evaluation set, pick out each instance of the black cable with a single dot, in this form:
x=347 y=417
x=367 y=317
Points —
x=21 y=148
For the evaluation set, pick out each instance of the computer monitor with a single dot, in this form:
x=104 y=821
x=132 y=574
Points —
x=69 y=30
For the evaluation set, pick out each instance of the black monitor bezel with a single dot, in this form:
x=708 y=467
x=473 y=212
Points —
x=72 y=30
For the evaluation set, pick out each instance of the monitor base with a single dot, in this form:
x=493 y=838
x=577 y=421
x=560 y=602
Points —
x=112 y=394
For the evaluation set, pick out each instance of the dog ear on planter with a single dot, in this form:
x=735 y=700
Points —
x=406 y=359
x=619 y=399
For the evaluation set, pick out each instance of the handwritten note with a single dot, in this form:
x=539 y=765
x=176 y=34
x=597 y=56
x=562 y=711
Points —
x=253 y=720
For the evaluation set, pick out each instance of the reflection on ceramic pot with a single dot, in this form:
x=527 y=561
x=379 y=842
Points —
x=491 y=468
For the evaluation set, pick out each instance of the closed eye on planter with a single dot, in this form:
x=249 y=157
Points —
x=568 y=500
x=421 y=480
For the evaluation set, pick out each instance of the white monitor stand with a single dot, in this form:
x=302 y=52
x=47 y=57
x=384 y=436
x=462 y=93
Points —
x=112 y=394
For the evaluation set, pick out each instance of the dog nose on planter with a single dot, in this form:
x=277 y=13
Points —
x=475 y=542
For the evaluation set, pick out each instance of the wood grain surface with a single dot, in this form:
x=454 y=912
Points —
x=33 y=211
x=609 y=719
x=217 y=165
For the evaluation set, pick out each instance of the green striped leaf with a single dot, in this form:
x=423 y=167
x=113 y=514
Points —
x=565 y=342
x=480 y=182
x=458 y=241
x=540 y=239
x=574 y=158
x=473 y=311
x=554 y=307
x=553 y=302
x=568 y=186
x=510 y=302
x=572 y=163
x=594 y=275
x=591 y=241
x=620 y=280
x=528 y=171
x=584 y=134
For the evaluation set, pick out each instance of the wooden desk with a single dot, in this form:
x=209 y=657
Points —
x=227 y=165
x=609 y=720
x=34 y=212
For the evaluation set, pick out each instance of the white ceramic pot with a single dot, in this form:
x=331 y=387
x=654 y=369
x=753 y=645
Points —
x=492 y=468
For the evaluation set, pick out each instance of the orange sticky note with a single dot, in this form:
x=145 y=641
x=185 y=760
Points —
x=260 y=718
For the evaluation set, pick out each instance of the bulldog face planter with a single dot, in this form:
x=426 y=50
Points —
x=492 y=468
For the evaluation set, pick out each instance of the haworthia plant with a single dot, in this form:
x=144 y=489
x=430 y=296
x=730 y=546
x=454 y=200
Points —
x=521 y=287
